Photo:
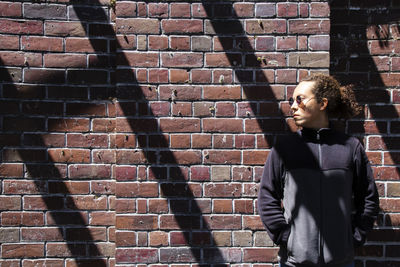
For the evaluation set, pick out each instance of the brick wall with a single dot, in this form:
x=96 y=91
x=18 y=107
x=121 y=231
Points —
x=134 y=133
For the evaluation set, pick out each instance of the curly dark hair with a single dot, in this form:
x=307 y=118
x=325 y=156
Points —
x=341 y=100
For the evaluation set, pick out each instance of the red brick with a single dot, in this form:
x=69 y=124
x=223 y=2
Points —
x=225 y=110
x=141 y=59
x=260 y=254
x=265 y=26
x=158 y=43
x=319 y=10
x=138 y=26
x=23 y=187
x=180 y=92
x=65 y=60
x=201 y=141
x=11 y=170
x=21 y=27
x=25 y=218
x=390 y=205
x=37 y=11
x=158 y=76
x=137 y=222
x=8 y=9
x=223 y=125
x=180 y=10
x=41 y=234
x=180 y=125
x=222 y=157
x=286 y=43
x=134 y=189
x=252 y=222
x=87 y=140
x=143 y=255
x=223 y=59
x=255 y=157
x=244 y=141
x=158 y=206
x=221 y=92
x=125 y=239
x=180 y=26
x=125 y=205
x=243 y=206
x=42 y=43
x=309 y=26
x=22 y=250
x=223 y=140
x=180 y=141
x=179 y=43
x=304 y=10
x=222 y=206
x=10 y=203
x=199 y=10
x=87 y=202
x=64 y=28
x=287 y=10
x=222 y=190
x=181 y=109
x=223 y=222
x=89 y=171
x=125 y=9
x=9 y=42
x=69 y=155
x=182 y=60
x=243 y=9
x=178 y=76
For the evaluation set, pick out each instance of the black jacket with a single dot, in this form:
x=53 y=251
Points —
x=317 y=197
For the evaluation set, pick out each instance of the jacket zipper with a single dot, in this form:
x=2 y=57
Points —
x=320 y=202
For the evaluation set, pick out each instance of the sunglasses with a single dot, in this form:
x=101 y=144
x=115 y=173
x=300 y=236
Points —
x=299 y=100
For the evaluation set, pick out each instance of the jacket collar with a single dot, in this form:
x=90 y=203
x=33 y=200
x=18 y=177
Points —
x=315 y=134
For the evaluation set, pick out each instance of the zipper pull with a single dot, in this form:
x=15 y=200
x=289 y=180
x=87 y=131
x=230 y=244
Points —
x=318 y=137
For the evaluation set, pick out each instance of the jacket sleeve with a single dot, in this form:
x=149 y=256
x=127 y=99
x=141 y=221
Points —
x=269 y=200
x=366 y=198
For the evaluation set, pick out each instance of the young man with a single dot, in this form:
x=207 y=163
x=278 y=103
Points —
x=317 y=196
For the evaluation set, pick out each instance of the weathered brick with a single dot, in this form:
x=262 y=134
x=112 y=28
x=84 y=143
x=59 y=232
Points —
x=265 y=26
x=182 y=26
x=22 y=250
x=45 y=11
x=138 y=26
x=311 y=26
x=310 y=60
x=8 y=9
x=64 y=28
x=10 y=202
x=9 y=42
x=21 y=27
x=287 y=9
x=64 y=60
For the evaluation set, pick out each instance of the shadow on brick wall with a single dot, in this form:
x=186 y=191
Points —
x=223 y=27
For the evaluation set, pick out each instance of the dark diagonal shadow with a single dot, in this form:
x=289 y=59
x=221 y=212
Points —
x=47 y=176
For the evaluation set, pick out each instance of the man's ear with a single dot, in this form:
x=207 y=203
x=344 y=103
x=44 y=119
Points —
x=324 y=104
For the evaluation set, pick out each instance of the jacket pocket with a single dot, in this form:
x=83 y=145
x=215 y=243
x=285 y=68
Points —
x=302 y=245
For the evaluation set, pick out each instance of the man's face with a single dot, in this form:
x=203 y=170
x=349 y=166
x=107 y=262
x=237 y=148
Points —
x=308 y=113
